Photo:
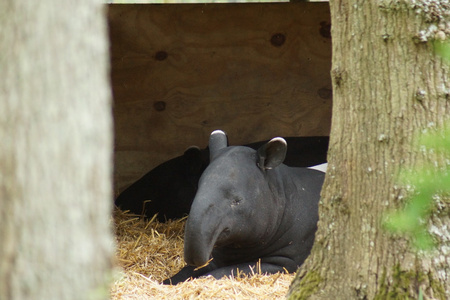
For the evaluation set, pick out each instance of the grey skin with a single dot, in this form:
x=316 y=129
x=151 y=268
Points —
x=169 y=189
x=250 y=208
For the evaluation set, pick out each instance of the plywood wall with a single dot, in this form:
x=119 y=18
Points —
x=180 y=71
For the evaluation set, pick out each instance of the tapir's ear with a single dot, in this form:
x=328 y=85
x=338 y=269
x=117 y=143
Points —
x=272 y=153
x=193 y=157
x=217 y=140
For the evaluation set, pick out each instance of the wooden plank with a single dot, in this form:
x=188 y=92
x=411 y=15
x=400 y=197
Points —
x=181 y=71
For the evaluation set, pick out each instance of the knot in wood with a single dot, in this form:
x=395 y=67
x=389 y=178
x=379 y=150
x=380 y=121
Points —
x=278 y=39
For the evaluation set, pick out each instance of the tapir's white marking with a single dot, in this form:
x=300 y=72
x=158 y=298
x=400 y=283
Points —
x=218 y=132
x=321 y=167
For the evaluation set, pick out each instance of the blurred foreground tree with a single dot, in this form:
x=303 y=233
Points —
x=389 y=86
x=55 y=150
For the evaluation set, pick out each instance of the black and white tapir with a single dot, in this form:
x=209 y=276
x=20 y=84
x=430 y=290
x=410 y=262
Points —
x=250 y=209
x=171 y=186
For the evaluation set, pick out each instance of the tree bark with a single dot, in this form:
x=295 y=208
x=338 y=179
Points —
x=388 y=87
x=55 y=150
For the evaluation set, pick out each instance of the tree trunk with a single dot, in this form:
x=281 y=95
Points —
x=55 y=150
x=388 y=87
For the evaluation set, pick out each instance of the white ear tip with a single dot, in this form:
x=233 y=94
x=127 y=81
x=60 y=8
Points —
x=278 y=139
x=218 y=132
x=322 y=167
x=193 y=147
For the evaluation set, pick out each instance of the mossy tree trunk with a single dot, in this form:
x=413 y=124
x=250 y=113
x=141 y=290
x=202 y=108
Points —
x=388 y=87
x=55 y=150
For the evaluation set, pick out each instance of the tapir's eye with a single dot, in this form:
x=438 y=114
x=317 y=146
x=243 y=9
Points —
x=236 y=201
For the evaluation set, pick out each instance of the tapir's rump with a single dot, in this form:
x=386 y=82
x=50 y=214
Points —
x=267 y=210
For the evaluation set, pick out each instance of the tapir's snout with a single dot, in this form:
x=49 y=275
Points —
x=196 y=254
x=195 y=258
x=198 y=243
x=203 y=227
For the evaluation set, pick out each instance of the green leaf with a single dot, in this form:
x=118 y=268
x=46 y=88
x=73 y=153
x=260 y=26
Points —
x=442 y=49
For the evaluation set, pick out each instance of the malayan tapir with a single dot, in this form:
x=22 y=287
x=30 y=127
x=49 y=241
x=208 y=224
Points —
x=250 y=208
x=171 y=186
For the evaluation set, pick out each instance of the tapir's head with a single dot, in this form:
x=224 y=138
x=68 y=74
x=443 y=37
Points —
x=234 y=205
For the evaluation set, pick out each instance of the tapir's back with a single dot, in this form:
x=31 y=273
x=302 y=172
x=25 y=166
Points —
x=308 y=183
x=311 y=181
x=301 y=188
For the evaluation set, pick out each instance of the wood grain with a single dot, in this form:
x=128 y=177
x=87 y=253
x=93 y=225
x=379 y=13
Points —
x=181 y=71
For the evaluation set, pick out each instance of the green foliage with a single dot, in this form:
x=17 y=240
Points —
x=428 y=183
x=443 y=49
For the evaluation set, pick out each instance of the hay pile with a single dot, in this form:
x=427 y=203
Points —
x=149 y=252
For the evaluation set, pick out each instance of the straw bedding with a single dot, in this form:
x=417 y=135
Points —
x=149 y=252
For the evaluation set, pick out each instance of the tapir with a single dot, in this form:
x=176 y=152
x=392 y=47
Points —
x=251 y=212
x=168 y=189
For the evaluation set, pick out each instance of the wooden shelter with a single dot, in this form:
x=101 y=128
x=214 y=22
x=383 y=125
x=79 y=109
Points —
x=180 y=71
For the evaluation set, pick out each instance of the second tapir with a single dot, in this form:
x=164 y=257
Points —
x=250 y=209
x=168 y=189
